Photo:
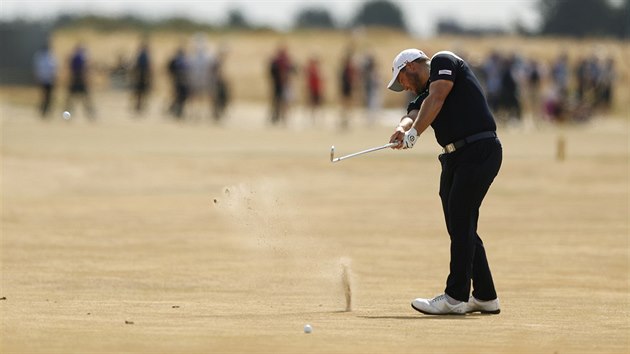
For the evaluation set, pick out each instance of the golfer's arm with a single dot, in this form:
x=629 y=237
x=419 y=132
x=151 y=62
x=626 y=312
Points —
x=431 y=106
x=407 y=120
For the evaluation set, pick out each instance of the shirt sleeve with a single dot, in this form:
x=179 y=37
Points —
x=443 y=67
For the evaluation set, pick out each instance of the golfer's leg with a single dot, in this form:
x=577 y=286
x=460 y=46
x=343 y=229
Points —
x=461 y=227
x=446 y=180
x=483 y=285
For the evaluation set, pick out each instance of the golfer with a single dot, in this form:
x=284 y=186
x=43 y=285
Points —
x=450 y=100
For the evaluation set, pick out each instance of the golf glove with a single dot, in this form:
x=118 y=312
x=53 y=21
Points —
x=411 y=136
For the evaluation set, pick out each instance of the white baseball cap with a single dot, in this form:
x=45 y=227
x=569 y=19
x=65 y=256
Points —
x=401 y=60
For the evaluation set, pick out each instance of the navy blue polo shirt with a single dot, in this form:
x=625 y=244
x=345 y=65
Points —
x=465 y=111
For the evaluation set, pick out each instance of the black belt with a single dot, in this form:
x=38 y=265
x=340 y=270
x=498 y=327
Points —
x=452 y=147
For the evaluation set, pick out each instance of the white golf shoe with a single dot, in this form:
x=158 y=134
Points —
x=438 y=306
x=485 y=307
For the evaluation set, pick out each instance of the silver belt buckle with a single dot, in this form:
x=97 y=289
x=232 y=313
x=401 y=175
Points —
x=449 y=148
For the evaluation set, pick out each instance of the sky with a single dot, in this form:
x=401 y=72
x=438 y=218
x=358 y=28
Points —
x=421 y=16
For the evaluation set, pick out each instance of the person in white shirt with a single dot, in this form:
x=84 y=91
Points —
x=45 y=68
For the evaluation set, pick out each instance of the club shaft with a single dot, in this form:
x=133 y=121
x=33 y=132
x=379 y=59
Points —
x=364 y=152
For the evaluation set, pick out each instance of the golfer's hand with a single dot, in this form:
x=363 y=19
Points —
x=405 y=139
x=398 y=137
x=411 y=136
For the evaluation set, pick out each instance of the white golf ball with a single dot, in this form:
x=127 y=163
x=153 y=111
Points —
x=66 y=115
x=308 y=328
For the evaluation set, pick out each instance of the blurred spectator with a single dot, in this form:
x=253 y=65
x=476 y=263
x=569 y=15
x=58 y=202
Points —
x=220 y=92
x=509 y=104
x=594 y=82
x=556 y=97
x=533 y=79
x=314 y=86
x=141 y=77
x=371 y=84
x=593 y=75
x=492 y=75
x=561 y=104
x=587 y=75
x=119 y=74
x=200 y=65
x=281 y=68
x=606 y=81
x=45 y=67
x=553 y=103
x=79 y=81
x=560 y=73
x=348 y=78
x=178 y=70
x=581 y=76
x=565 y=97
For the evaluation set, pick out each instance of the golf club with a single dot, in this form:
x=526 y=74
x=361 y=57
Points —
x=337 y=159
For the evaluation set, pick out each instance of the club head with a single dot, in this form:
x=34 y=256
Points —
x=332 y=153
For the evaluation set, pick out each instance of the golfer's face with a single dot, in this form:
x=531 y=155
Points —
x=406 y=78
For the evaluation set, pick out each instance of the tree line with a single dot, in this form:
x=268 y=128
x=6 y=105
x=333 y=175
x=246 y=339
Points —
x=607 y=18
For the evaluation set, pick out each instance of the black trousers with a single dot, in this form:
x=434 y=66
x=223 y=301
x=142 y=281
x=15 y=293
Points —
x=466 y=177
x=44 y=107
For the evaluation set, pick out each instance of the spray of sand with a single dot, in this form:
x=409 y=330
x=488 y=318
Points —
x=267 y=220
x=346 y=283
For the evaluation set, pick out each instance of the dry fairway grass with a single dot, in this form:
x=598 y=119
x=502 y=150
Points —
x=117 y=221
